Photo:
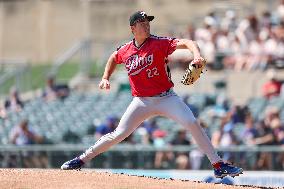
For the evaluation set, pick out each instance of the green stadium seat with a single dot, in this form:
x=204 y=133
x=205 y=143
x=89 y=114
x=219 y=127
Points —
x=257 y=106
x=277 y=101
x=198 y=100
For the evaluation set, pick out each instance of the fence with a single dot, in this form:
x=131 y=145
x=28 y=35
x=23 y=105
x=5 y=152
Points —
x=83 y=47
x=15 y=71
x=127 y=156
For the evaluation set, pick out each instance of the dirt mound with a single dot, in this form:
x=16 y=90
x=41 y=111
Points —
x=53 y=179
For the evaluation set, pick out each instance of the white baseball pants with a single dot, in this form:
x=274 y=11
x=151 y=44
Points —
x=142 y=108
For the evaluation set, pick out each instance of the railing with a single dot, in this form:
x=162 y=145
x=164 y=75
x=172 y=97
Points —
x=130 y=156
x=84 y=48
x=14 y=69
x=81 y=48
x=137 y=148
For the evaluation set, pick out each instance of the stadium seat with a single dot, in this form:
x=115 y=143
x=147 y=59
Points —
x=257 y=106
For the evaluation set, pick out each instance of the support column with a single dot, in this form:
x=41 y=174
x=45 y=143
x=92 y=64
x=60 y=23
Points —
x=1 y=29
x=86 y=51
x=86 y=19
x=43 y=23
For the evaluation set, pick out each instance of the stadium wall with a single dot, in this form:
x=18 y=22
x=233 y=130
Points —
x=39 y=30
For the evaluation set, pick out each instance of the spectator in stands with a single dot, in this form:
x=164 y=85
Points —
x=257 y=57
x=253 y=43
x=280 y=138
x=222 y=41
x=163 y=159
x=271 y=113
x=248 y=29
x=280 y=10
x=278 y=131
x=236 y=57
x=91 y=131
x=54 y=91
x=277 y=128
x=265 y=136
x=247 y=137
x=249 y=133
x=272 y=46
x=225 y=137
x=214 y=19
x=254 y=57
x=166 y=159
x=265 y=20
x=13 y=103
x=277 y=56
x=229 y=22
x=221 y=107
x=150 y=126
x=143 y=136
x=3 y=113
x=205 y=39
x=279 y=32
x=23 y=134
x=181 y=158
x=107 y=127
x=71 y=137
x=272 y=87
x=238 y=113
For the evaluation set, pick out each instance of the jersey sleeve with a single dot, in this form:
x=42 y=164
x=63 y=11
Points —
x=118 y=57
x=172 y=45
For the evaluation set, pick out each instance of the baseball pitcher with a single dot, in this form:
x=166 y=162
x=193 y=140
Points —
x=145 y=59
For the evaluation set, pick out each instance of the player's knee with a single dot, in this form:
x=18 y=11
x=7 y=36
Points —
x=121 y=134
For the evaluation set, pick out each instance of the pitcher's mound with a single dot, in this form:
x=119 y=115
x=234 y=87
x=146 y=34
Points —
x=53 y=179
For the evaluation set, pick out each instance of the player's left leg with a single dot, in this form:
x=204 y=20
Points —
x=138 y=110
x=173 y=107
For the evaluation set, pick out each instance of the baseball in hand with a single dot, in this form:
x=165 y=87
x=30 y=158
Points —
x=104 y=84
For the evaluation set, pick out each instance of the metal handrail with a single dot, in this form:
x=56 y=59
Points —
x=137 y=148
x=83 y=46
x=21 y=66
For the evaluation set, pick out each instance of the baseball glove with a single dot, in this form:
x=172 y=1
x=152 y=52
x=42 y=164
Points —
x=192 y=73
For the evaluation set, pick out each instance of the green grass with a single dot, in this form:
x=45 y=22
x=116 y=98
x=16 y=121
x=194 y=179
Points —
x=67 y=71
x=37 y=74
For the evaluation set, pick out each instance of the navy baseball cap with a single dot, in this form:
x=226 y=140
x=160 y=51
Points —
x=138 y=16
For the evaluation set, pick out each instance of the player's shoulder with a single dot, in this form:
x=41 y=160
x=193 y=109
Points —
x=125 y=45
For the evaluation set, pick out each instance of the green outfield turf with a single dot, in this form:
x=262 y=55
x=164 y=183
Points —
x=36 y=75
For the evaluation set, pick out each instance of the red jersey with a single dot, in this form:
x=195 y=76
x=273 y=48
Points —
x=146 y=65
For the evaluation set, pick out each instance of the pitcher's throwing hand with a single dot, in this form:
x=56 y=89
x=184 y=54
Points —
x=104 y=84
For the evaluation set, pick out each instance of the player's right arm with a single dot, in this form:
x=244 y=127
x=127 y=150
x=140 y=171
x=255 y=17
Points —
x=110 y=67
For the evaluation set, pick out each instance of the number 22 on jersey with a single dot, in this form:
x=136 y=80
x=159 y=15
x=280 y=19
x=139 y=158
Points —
x=152 y=72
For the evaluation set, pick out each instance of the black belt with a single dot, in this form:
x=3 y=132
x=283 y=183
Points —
x=164 y=93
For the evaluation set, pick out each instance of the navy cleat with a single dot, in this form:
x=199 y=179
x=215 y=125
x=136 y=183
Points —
x=222 y=169
x=75 y=163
